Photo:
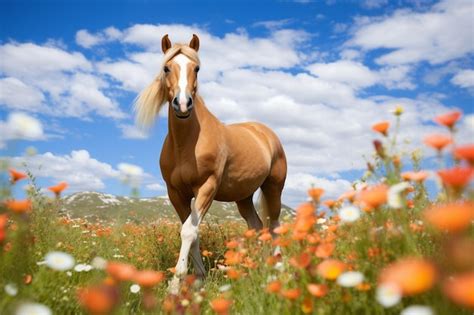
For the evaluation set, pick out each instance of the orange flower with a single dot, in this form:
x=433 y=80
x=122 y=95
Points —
x=232 y=244
x=282 y=229
x=411 y=275
x=315 y=193
x=452 y=217
x=437 y=141
x=460 y=289
x=465 y=152
x=330 y=203
x=95 y=300
x=374 y=196
x=274 y=287
x=120 y=271
x=302 y=261
x=19 y=206
x=3 y=225
x=233 y=273
x=58 y=188
x=349 y=195
x=221 y=305
x=207 y=253
x=330 y=269
x=448 y=119
x=305 y=218
x=381 y=127
x=317 y=290
x=27 y=279
x=307 y=305
x=415 y=176
x=266 y=236
x=16 y=175
x=291 y=294
x=325 y=250
x=250 y=233
x=148 y=278
x=364 y=286
x=456 y=177
x=233 y=257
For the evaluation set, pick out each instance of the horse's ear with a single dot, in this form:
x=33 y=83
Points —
x=165 y=43
x=194 y=43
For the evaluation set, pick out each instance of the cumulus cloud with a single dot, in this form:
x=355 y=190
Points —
x=20 y=126
x=78 y=169
x=52 y=81
x=464 y=78
x=133 y=132
x=437 y=35
x=88 y=40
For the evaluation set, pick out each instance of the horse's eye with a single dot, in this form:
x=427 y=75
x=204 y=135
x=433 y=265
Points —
x=196 y=69
x=166 y=69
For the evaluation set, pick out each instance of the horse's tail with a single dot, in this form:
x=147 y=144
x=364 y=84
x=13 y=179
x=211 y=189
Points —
x=264 y=211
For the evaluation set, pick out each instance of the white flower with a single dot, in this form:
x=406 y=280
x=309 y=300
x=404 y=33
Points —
x=11 y=289
x=394 y=195
x=59 y=261
x=349 y=214
x=130 y=169
x=279 y=266
x=33 y=308
x=321 y=221
x=99 y=263
x=388 y=294
x=134 y=288
x=350 y=279
x=417 y=310
x=82 y=267
x=225 y=287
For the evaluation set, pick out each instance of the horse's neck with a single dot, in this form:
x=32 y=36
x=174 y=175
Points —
x=185 y=132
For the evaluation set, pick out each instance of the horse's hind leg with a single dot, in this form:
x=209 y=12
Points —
x=248 y=212
x=271 y=189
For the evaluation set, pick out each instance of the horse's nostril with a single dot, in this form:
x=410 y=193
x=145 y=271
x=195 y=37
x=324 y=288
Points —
x=175 y=101
x=190 y=102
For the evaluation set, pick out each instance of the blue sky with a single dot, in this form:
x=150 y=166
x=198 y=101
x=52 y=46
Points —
x=318 y=72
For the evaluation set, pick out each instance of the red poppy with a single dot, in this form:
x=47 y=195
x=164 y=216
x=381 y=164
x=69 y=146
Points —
x=456 y=177
x=448 y=119
x=381 y=127
x=58 y=188
x=148 y=278
x=437 y=141
x=19 y=206
x=16 y=175
x=465 y=152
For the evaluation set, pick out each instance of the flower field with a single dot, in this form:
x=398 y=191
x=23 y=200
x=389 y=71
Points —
x=392 y=245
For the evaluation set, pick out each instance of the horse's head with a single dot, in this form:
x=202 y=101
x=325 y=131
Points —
x=180 y=75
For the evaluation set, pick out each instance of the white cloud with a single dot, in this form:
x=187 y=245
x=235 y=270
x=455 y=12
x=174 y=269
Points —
x=344 y=71
x=55 y=82
x=438 y=35
x=464 y=78
x=133 y=132
x=87 y=40
x=374 y=4
x=78 y=169
x=156 y=187
x=297 y=185
x=20 y=126
x=17 y=95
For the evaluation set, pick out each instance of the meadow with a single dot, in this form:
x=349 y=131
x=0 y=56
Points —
x=385 y=247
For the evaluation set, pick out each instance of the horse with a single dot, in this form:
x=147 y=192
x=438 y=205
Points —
x=202 y=159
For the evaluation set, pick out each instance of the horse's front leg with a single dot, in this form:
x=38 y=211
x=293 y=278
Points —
x=190 y=230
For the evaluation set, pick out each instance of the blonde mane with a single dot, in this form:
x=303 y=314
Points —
x=148 y=104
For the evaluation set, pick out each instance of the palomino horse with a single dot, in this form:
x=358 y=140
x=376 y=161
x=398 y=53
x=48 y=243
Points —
x=206 y=160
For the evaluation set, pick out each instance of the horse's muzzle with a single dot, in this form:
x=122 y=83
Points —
x=183 y=111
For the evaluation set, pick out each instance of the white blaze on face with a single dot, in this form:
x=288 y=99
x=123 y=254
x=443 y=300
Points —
x=182 y=62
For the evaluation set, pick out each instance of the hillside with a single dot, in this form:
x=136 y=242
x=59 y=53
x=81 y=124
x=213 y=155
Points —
x=96 y=205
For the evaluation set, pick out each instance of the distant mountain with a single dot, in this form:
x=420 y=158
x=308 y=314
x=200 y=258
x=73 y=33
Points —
x=100 y=206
